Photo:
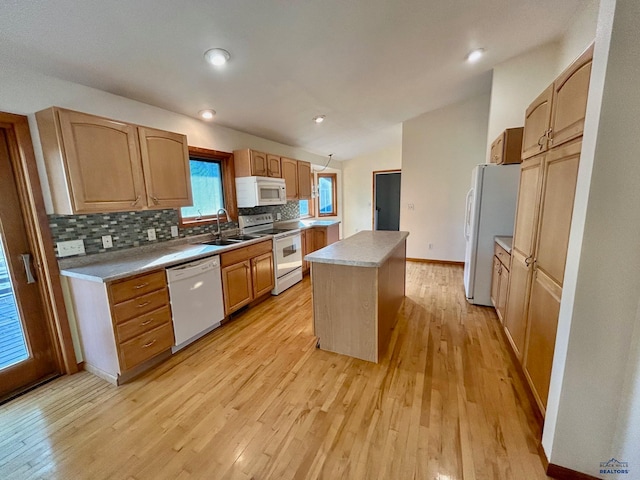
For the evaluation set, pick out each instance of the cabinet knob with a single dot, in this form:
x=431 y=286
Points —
x=528 y=261
x=135 y=202
x=155 y=199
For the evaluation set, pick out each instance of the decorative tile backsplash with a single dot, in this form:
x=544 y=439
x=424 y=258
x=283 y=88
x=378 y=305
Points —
x=290 y=211
x=129 y=229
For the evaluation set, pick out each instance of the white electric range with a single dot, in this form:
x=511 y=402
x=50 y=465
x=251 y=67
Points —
x=287 y=248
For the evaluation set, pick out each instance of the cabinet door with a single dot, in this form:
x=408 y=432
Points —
x=497 y=148
x=259 y=166
x=304 y=180
x=544 y=307
x=495 y=281
x=319 y=238
x=515 y=321
x=503 y=289
x=103 y=162
x=165 y=162
x=273 y=166
x=262 y=274
x=570 y=93
x=236 y=286
x=305 y=237
x=527 y=209
x=556 y=209
x=290 y=175
x=537 y=121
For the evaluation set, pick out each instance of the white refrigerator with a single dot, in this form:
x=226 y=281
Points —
x=490 y=212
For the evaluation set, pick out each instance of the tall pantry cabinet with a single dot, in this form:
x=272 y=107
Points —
x=551 y=154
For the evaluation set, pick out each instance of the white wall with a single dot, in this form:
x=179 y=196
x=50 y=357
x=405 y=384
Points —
x=594 y=402
x=580 y=34
x=24 y=92
x=439 y=150
x=358 y=186
x=516 y=83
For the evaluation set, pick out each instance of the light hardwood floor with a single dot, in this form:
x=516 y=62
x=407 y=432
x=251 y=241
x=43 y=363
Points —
x=257 y=400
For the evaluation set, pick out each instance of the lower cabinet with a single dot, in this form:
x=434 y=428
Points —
x=315 y=238
x=123 y=325
x=500 y=280
x=247 y=274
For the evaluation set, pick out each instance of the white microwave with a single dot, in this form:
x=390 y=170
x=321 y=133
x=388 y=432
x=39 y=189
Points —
x=257 y=191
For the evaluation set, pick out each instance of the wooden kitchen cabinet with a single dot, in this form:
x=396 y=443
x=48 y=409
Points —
x=250 y=163
x=97 y=165
x=305 y=240
x=537 y=121
x=247 y=274
x=323 y=236
x=500 y=280
x=290 y=175
x=124 y=326
x=543 y=221
x=165 y=164
x=507 y=148
x=304 y=180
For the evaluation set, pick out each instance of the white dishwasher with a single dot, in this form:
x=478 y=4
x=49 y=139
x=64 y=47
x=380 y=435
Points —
x=195 y=292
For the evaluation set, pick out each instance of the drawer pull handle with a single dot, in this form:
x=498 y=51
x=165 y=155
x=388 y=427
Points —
x=140 y=305
x=147 y=345
x=147 y=322
x=142 y=285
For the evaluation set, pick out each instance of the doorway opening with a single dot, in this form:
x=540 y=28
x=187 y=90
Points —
x=386 y=200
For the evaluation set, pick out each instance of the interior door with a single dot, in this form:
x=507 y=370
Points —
x=387 y=200
x=26 y=353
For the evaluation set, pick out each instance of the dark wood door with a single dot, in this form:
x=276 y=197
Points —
x=26 y=353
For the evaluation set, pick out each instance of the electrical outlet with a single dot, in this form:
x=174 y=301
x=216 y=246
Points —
x=151 y=234
x=71 y=247
x=411 y=206
x=278 y=216
x=107 y=241
x=174 y=230
x=431 y=246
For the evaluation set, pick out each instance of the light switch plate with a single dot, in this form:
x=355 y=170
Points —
x=70 y=247
x=174 y=230
x=107 y=241
x=151 y=234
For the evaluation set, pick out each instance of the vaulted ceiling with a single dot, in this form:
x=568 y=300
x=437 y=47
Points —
x=367 y=65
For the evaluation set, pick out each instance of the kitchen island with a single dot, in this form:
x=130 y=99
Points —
x=358 y=286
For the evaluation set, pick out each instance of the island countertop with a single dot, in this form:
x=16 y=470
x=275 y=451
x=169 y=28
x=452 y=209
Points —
x=364 y=249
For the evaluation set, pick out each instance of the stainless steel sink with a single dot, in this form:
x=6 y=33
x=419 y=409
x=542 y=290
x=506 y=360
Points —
x=221 y=242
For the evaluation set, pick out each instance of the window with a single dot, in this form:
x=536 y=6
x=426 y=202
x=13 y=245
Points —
x=327 y=194
x=212 y=187
x=304 y=208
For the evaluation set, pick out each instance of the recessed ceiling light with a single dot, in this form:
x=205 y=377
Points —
x=207 y=114
x=475 y=55
x=217 y=56
x=319 y=118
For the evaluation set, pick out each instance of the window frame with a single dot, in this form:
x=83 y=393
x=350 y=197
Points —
x=228 y=186
x=334 y=194
x=310 y=200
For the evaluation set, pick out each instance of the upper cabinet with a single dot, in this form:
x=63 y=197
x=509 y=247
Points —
x=570 y=92
x=537 y=119
x=304 y=180
x=297 y=178
x=290 y=175
x=250 y=163
x=98 y=165
x=167 y=179
x=557 y=115
x=507 y=148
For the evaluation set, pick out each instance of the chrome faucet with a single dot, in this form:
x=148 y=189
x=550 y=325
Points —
x=218 y=219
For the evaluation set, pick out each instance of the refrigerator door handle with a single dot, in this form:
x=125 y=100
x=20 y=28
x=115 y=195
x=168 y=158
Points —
x=467 y=219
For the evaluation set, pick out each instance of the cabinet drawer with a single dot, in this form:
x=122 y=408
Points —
x=145 y=346
x=242 y=254
x=143 y=323
x=503 y=255
x=134 y=287
x=143 y=304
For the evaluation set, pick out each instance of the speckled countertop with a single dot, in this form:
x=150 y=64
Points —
x=107 y=267
x=303 y=224
x=504 y=242
x=364 y=249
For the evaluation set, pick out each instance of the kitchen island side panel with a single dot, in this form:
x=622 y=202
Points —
x=391 y=292
x=345 y=309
